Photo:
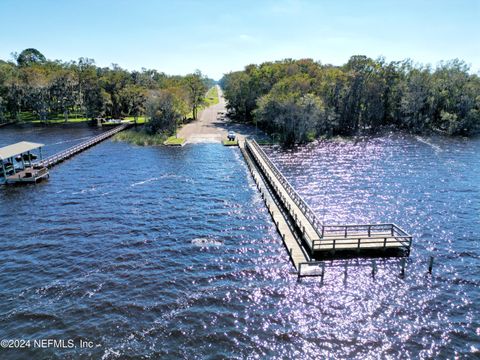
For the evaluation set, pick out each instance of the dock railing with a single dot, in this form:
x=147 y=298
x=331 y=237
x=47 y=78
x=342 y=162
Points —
x=377 y=235
x=297 y=199
x=351 y=235
x=42 y=172
x=65 y=154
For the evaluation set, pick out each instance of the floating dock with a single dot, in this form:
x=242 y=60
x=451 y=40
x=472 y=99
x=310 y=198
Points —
x=316 y=240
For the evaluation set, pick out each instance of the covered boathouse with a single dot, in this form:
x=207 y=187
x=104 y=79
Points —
x=17 y=166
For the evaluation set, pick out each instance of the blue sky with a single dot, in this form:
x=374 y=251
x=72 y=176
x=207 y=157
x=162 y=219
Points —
x=216 y=37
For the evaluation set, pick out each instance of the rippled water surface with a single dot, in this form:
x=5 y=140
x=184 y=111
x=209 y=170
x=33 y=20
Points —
x=154 y=252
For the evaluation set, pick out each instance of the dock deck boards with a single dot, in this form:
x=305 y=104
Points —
x=296 y=253
x=320 y=238
x=28 y=175
x=293 y=208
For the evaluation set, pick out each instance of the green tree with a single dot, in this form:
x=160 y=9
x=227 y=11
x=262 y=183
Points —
x=196 y=89
x=29 y=57
x=292 y=110
x=133 y=97
x=63 y=92
x=162 y=112
x=113 y=81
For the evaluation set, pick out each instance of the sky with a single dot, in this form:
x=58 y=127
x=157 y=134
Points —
x=216 y=37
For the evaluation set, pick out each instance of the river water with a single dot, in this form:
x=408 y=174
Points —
x=155 y=252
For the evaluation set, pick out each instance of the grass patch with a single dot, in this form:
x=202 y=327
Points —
x=58 y=121
x=230 y=142
x=140 y=119
x=60 y=118
x=26 y=116
x=140 y=138
x=173 y=140
x=212 y=96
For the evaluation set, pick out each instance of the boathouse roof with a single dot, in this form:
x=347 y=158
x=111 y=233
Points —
x=18 y=148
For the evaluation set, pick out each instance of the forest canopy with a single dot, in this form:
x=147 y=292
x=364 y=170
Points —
x=35 y=87
x=296 y=100
x=299 y=100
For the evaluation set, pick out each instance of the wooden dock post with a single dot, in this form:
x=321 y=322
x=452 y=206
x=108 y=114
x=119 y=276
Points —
x=374 y=268
x=402 y=264
x=430 y=265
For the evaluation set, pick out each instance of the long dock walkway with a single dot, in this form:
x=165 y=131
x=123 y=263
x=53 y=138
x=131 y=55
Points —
x=289 y=236
x=305 y=219
x=318 y=239
x=57 y=158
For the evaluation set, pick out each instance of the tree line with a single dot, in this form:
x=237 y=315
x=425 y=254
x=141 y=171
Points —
x=46 y=89
x=299 y=100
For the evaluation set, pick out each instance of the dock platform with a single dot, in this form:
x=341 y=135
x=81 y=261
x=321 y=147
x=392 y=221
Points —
x=16 y=165
x=28 y=176
x=319 y=240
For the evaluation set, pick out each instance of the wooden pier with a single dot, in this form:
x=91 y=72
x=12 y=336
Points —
x=68 y=153
x=292 y=243
x=317 y=240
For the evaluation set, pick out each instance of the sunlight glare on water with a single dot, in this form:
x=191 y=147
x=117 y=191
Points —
x=170 y=253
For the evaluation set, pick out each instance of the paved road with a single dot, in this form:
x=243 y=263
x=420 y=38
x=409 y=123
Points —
x=211 y=127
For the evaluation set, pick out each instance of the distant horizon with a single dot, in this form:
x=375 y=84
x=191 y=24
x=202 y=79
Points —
x=219 y=37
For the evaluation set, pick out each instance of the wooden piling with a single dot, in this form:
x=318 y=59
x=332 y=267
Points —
x=402 y=264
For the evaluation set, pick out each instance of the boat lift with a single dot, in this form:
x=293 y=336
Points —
x=17 y=166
